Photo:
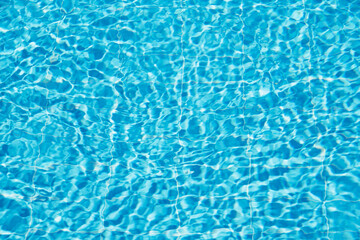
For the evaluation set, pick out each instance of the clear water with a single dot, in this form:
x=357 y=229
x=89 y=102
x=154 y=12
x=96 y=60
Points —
x=184 y=119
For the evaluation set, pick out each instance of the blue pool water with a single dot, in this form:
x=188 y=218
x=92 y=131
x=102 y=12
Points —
x=183 y=119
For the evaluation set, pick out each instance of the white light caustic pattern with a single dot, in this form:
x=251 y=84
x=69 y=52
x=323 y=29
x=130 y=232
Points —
x=184 y=119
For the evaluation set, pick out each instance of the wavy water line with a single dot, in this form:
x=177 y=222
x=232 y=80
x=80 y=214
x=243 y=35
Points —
x=179 y=123
x=243 y=107
x=314 y=116
x=42 y=139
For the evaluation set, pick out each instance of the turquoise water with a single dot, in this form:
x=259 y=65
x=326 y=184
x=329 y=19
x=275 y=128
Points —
x=184 y=119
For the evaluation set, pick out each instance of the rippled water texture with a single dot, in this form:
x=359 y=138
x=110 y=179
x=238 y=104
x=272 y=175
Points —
x=184 y=119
